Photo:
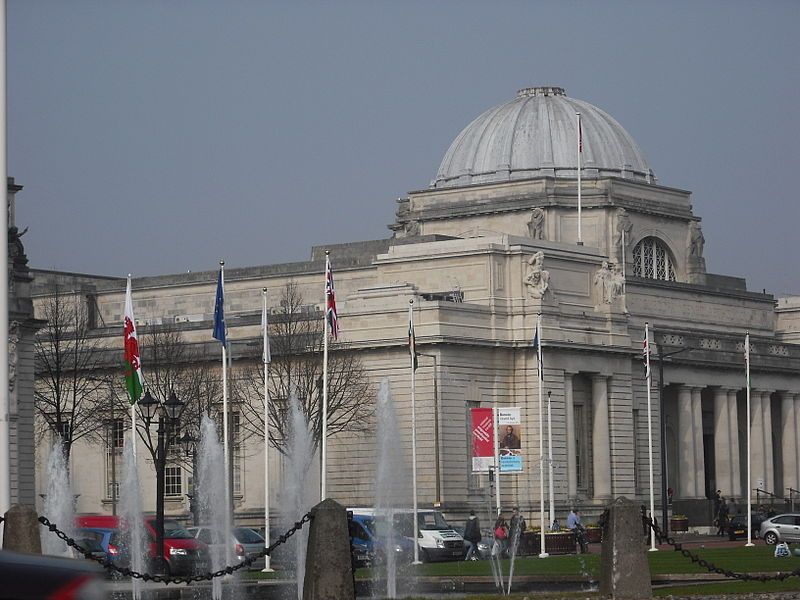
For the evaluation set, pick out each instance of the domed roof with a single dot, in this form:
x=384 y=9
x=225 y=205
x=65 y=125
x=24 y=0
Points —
x=535 y=134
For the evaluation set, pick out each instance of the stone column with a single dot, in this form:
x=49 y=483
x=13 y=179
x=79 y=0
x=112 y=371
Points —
x=722 y=443
x=736 y=469
x=699 y=456
x=601 y=446
x=757 y=466
x=788 y=441
x=797 y=433
x=572 y=472
x=769 y=464
x=686 y=467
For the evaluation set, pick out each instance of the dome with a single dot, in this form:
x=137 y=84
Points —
x=535 y=134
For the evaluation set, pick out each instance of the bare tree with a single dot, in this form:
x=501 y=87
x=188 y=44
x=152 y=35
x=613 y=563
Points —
x=71 y=373
x=296 y=344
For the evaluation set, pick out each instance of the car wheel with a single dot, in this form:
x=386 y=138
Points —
x=424 y=556
x=771 y=538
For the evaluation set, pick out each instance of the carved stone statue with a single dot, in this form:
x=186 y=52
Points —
x=412 y=228
x=696 y=240
x=609 y=282
x=536 y=224
x=537 y=279
x=622 y=225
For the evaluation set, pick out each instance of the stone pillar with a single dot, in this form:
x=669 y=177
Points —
x=686 y=465
x=328 y=567
x=572 y=469
x=21 y=530
x=736 y=469
x=601 y=446
x=757 y=466
x=788 y=441
x=699 y=456
x=624 y=572
x=797 y=432
x=769 y=465
x=722 y=444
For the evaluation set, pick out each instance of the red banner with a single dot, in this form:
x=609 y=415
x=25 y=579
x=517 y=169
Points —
x=482 y=439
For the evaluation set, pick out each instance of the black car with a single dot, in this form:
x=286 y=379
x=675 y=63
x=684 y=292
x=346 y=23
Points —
x=737 y=527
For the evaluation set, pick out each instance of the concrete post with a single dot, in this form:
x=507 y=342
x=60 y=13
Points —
x=329 y=573
x=21 y=530
x=624 y=571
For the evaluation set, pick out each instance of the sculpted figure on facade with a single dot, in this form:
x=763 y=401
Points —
x=536 y=224
x=537 y=279
x=696 y=240
x=412 y=228
x=609 y=282
x=622 y=226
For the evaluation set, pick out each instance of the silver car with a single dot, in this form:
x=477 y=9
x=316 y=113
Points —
x=245 y=543
x=781 y=528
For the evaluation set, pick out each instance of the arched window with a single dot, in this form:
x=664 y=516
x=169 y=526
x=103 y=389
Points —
x=652 y=259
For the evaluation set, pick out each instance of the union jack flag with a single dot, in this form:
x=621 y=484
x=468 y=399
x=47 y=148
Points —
x=330 y=301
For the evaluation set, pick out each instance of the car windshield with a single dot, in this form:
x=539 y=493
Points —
x=432 y=521
x=89 y=544
x=247 y=536
x=175 y=531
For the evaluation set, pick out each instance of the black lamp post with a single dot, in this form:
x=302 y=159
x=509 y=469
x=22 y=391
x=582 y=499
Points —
x=662 y=408
x=170 y=410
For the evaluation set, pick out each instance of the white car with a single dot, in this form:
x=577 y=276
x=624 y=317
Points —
x=781 y=528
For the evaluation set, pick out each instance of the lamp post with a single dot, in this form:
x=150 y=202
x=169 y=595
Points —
x=168 y=415
x=662 y=408
x=189 y=444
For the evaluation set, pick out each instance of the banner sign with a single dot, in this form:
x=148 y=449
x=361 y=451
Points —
x=482 y=427
x=509 y=430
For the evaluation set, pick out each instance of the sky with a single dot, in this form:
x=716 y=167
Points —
x=155 y=137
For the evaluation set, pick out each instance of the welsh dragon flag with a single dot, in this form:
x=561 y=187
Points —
x=133 y=367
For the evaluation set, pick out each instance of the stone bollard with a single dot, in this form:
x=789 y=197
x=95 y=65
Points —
x=328 y=568
x=624 y=570
x=21 y=530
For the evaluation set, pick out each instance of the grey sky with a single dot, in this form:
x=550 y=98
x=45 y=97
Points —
x=156 y=137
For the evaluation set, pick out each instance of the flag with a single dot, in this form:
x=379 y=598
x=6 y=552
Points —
x=537 y=346
x=265 y=355
x=412 y=342
x=220 y=332
x=580 y=134
x=747 y=357
x=646 y=353
x=330 y=301
x=133 y=366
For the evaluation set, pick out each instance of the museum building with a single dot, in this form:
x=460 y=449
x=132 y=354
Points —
x=495 y=241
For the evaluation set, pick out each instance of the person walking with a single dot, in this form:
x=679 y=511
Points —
x=722 y=518
x=574 y=524
x=500 y=537
x=516 y=529
x=472 y=535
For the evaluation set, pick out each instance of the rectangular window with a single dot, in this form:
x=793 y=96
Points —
x=636 y=471
x=581 y=457
x=173 y=480
x=238 y=457
x=115 y=435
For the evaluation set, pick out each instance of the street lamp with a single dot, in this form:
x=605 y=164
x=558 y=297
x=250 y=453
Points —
x=189 y=444
x=662 y=408
x=170 y=410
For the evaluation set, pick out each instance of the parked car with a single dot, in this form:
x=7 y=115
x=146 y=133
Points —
x=30 y=576
x=781 y=528
x=88 y=541
x=244 y=543
x=368 y=534
x=182 y=553
x=737 y=527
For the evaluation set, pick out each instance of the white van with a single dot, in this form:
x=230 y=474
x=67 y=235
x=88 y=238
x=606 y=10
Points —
x=436 y=539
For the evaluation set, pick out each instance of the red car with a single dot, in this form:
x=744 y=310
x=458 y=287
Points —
x=183 y=554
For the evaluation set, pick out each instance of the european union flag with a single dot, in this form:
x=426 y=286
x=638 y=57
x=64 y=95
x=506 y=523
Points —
x=219 y=312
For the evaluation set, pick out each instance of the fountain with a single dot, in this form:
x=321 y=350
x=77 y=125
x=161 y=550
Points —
x=390 y=484
x=59 y=503
x=297 y=491
x=131 y=521
x=210 y=496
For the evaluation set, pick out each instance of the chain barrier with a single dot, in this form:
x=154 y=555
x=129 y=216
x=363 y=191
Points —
x=709 y=566
x=165 y=579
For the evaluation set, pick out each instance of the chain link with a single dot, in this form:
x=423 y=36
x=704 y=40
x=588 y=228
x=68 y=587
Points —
x=709 y=566
x=228 y=570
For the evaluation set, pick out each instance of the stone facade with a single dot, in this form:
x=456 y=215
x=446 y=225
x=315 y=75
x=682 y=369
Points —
x=476 y=272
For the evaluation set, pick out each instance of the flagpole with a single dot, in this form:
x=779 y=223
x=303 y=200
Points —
x=622 y=256
x=749 y=497
x=543 y=550
x=649 y=431
x=551 y=497
x=225 y=432
x=413 y=436
x=580 y=151
x=5 y=402
x=324 y=441
x=266 y=359
x=496 y=459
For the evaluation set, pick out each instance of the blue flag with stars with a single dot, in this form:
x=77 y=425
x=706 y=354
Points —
x=219 y=311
